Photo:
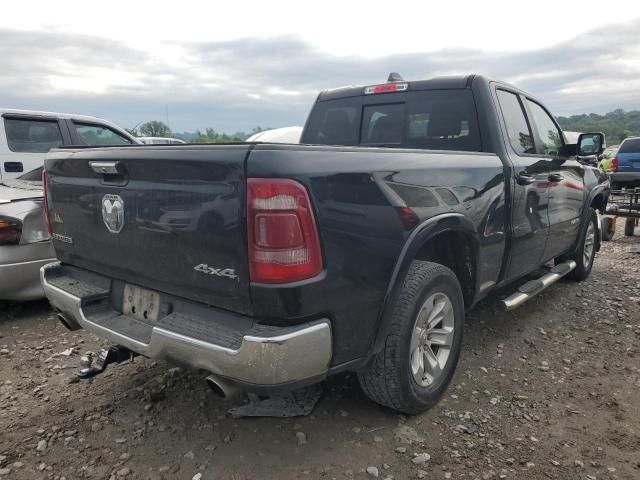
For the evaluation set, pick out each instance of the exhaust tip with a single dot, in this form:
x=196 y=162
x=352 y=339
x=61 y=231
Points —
x=222 y=388
x=67 y=322
x=215 y=388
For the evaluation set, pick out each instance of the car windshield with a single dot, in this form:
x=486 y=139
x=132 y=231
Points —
x=428 y=119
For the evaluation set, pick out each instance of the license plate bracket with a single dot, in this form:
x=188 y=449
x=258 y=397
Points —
x=140 y=303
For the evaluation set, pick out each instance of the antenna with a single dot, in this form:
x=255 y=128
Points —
x=395 y=77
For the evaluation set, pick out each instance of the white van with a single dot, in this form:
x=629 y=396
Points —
x=26 y=136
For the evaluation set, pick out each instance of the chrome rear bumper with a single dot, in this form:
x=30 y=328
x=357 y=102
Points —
x=263 y=356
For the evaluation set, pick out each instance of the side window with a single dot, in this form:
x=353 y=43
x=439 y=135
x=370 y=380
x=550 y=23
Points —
x=517 y=128
x=27 y=135
x=550 y=138
x=91 y=134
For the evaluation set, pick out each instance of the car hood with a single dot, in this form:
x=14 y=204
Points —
x=12 y=190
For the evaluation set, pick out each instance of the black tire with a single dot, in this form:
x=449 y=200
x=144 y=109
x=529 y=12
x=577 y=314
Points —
x=389 y=380
x=629 y=227
x=607 y=228
x=583 y=270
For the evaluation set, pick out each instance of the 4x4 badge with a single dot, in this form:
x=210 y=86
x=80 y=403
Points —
x=219 y=272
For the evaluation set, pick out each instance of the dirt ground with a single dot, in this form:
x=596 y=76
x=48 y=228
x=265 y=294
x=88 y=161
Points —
x=551 y=390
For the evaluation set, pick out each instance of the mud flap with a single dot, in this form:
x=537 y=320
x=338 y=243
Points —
x=297 y=403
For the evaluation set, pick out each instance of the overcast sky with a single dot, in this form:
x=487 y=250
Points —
x=235 y=65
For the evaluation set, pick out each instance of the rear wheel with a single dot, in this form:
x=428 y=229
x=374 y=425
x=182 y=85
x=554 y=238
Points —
x=423 y=345
x=629 y=226
x=607 y=228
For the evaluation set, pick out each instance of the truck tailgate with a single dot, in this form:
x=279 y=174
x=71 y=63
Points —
x=166 y=218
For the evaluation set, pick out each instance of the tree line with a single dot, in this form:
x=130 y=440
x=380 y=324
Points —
x=616 y=125
x=156 y=128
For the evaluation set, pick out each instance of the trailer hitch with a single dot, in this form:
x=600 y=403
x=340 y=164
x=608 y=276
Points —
x=94 y=364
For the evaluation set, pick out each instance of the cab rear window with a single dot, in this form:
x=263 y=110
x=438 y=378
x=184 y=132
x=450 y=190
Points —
x=431 y=119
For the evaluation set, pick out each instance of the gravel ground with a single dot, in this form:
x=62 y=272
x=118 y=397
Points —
x=547 y=391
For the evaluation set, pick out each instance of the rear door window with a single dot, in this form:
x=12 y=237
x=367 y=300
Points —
x=518 y=130
x=32 y=135
x=631 y=145
x=94 y=134
x=428 y=119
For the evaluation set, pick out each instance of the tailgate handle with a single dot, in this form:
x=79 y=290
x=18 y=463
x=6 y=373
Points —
x=107 y=168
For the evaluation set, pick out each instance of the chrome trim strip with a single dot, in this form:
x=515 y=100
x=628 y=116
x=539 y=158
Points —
x=27 y=262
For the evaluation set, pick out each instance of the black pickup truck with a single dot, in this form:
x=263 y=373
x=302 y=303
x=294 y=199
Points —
x=273 y=266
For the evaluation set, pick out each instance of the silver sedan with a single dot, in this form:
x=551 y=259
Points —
x=25 y=244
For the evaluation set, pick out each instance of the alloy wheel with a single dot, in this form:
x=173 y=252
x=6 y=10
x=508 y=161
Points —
x=431 y=339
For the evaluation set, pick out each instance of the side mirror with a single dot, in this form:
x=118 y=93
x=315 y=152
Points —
x=590 y=144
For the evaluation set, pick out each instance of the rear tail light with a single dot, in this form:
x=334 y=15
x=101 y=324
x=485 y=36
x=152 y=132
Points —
x=46 y=202
x=283 y=236
x=614 y=164
x=10 y=231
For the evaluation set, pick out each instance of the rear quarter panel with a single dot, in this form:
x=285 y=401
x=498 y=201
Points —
x=357 y=193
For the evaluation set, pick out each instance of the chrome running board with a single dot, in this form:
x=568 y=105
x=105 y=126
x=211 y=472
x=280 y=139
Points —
x=534 y=287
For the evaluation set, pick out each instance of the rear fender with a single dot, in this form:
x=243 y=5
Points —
x=417 y=239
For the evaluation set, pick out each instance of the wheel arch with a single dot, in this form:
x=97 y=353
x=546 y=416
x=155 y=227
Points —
x=446 y=226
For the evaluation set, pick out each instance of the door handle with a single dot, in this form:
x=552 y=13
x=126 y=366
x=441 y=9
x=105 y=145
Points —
x=556 y=177
x=524 y=179
x=13 y=167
